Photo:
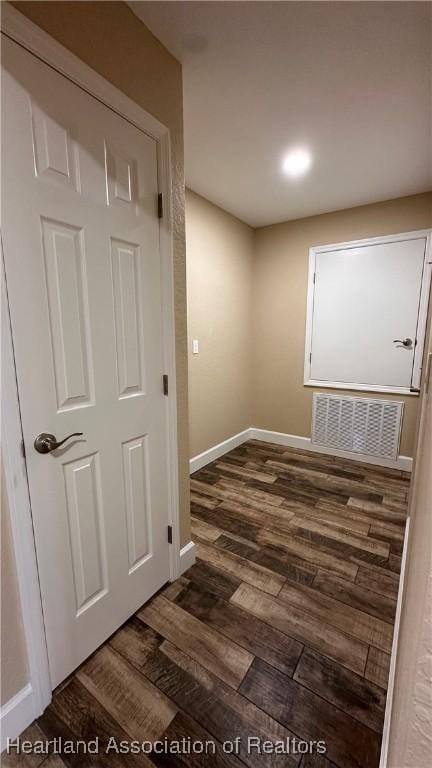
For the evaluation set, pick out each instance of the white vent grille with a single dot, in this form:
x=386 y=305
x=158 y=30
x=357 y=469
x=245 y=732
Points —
x=357 y=424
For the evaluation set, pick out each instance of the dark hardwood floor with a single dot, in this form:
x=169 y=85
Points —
x=282 y=630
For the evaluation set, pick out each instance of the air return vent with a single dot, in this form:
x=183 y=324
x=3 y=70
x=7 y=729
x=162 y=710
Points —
x=357 y=424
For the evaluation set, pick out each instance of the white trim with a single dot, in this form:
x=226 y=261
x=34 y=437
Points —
x=218 y=450
x=393 y=656
x=187 y=557
x=423 y=314
x=36 y=41
x=415 y=234
x=317 y=384
x=291 y=441
x=21 y=526
x=306 y=444
x=310 y=300
x=421 y=322
x=281 y=438
x=168 y=330
x=16 y=715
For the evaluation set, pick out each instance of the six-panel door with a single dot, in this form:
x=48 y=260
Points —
x=81 y=243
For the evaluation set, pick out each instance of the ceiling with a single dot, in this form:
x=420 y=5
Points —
x=350 y=81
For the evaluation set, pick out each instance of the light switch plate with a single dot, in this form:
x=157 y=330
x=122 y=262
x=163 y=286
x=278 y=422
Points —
x=195 y=346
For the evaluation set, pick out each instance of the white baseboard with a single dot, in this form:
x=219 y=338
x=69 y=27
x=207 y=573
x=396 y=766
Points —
x=305 y=443
x=218 y=450
x=17 y=714
x=291 y=441
x=385 y=743
x=281 y=438
x=187 y=557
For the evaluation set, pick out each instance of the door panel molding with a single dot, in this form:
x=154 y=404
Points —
x=24 y=32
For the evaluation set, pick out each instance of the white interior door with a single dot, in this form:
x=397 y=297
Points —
x=81 y=244
x=365 y=298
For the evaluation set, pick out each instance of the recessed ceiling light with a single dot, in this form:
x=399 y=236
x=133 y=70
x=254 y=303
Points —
x=297 y=162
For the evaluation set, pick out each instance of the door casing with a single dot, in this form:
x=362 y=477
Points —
x=37 y=693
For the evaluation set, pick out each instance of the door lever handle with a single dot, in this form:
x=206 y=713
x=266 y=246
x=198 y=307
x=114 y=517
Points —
x=405 y=342
x=45 y=442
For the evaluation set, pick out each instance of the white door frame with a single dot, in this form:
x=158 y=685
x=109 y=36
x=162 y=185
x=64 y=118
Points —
x=32 y=699
x=422 y=313
x=17 y=27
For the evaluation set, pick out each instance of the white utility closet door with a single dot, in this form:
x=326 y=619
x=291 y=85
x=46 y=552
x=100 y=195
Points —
x=364 y=299
x=81 y=244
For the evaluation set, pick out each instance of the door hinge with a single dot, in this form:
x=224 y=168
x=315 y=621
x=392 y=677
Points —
x=160 y=206
x=165 y=383
x=314 y=278
x=22 y=448
x=310 y=357
x=170 y=534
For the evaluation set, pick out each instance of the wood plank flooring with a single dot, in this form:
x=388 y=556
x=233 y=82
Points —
x=281 y=631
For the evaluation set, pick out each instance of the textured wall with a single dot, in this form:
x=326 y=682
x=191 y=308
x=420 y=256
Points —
x=410 y=738
x=113 y=41
x=280 y=400
x=219 y=252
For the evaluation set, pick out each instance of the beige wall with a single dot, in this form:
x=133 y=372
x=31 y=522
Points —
x=219 y=252
x=280 y=401
x=249 y=371
x=14 y=673
x=114 y=42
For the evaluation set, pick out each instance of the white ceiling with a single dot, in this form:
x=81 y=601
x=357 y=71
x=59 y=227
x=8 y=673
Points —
x=349 y=80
